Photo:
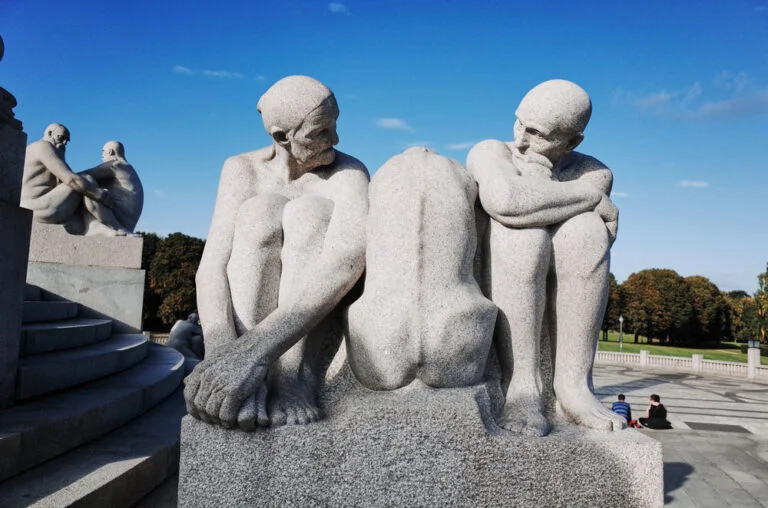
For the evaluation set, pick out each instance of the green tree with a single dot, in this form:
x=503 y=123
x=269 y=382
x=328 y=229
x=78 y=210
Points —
x=613 y=309
x=172 y=275
x=709 y=321
x=760 y=322
x=741 y=315
x=657 y=304
x=151 y=300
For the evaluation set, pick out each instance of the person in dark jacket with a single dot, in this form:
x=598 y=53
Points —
x=655 y=415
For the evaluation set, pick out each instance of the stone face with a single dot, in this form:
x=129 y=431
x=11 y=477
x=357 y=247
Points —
x=14 y=230
x=415 y=446
x=52 y=244
x=421 y=315
x=101 y=292
x=286 y=244
x=546 y=234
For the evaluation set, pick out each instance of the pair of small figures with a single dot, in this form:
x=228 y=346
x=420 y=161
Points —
x=472 y=275
x=106 y=200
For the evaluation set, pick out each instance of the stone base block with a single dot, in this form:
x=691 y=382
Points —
x=52 y=244
x=416 y=446
x=13 y=146
x=14 y=246
x=114 y=293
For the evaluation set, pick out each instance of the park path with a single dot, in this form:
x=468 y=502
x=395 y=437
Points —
x=717 y=453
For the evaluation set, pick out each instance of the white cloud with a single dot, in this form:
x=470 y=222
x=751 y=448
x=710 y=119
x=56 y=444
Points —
x=394 y=124
x=619 y=194
x=460 y=146
x=338 y=8
x=222 y=74
x=414 y=144
x=738 y=97
x=693 y=184
x=180 y=69
x=159 y=193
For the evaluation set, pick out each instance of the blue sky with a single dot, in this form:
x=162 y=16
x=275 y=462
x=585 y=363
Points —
x=679 y=91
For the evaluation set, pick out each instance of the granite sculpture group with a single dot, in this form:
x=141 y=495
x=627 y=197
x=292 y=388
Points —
x=106 y=200
x=497 y=273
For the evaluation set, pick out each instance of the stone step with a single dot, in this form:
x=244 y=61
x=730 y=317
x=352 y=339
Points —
x=37 y=338
x=37 y=312
x=31 y=293
x=35 y=431
x=49 y=372
x=116 y=470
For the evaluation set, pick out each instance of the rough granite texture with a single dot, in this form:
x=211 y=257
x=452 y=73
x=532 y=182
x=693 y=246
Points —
x=422 y=314
x=416 y=446
x=52 y=244
x=115 y=293
x=12 y=146
x=15 y=223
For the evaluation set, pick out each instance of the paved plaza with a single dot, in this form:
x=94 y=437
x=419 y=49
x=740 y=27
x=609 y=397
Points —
x=717 y=453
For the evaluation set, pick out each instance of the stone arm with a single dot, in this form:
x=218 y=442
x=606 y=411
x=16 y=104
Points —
x=100 y=173
x=214 y=301
x=58 y=168
x=338 y=267
x=522 y=202
x=596 y=174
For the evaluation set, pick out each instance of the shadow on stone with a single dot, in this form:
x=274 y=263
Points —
x=675 y=476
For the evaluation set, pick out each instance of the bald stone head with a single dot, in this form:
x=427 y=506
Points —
x=551 y=119
x=57 y=135
x=112 y=150
x=289 y=101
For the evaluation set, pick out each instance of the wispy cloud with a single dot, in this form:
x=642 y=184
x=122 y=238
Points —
x=338 y=8
x=734 y=95
x=464 y=145
x=761 y=9
x=180 y=69
x=394 y=124
x=222 y=74
x=414 y=144
x=692 y=184
x=159 y=193
x=619 y=194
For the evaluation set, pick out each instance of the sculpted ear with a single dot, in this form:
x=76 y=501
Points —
x=575 y=141
x=280 y=136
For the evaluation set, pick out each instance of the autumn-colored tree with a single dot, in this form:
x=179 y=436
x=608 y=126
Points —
x=741 y=315
x=760 y=326
x=172 y=275
x=613 y=310
x=709 y=322
x=657 y=304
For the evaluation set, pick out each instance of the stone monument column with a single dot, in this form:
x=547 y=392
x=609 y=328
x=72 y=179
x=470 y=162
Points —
x=15 y=224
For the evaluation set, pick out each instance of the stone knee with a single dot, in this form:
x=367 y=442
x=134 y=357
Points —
x=259 y=220
x=519 y=256
x=305 y=221
x=581 y=246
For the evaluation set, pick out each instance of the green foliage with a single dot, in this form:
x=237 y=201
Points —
x=760 y=321
x=709 y=321
x=171 y=265
x=657 y=304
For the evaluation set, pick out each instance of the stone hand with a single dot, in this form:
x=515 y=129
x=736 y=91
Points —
x=218 y=387
x=105 y=198
x=610 y=215
x=534 y=165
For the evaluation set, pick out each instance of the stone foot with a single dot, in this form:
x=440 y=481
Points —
x=253 y=413
x=581 y=406
x=522 y=415
x=292 y=402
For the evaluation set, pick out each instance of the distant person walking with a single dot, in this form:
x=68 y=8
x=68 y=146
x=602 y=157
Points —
x=655 y=415
x=622 y=408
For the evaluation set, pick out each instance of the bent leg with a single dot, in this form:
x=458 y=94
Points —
x=57 y=206
x=581 y=252
x=294 y=377
x=519 y=262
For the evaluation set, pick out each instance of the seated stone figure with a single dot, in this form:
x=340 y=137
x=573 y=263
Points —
x=547 y=250
x=58 y=195
x=286 y=243
x=186 y=337
x=422 y=314
x=122 y=182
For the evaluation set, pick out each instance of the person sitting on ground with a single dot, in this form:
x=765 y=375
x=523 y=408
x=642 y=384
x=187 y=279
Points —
x=655 y=415
x=622 y=407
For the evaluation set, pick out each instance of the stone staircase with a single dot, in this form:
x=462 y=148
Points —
x=97 y=417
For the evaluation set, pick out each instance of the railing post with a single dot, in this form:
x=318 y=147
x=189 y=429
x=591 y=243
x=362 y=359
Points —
x=643 y=358
x=697 y=362
x=753 y=361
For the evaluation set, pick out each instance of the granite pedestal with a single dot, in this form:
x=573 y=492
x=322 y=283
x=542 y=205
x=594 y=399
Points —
x=416 y=446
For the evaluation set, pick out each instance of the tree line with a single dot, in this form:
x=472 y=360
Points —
x=656 y=303
x=685 y=311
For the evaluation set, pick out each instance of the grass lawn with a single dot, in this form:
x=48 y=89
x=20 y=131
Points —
x=727 y=352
